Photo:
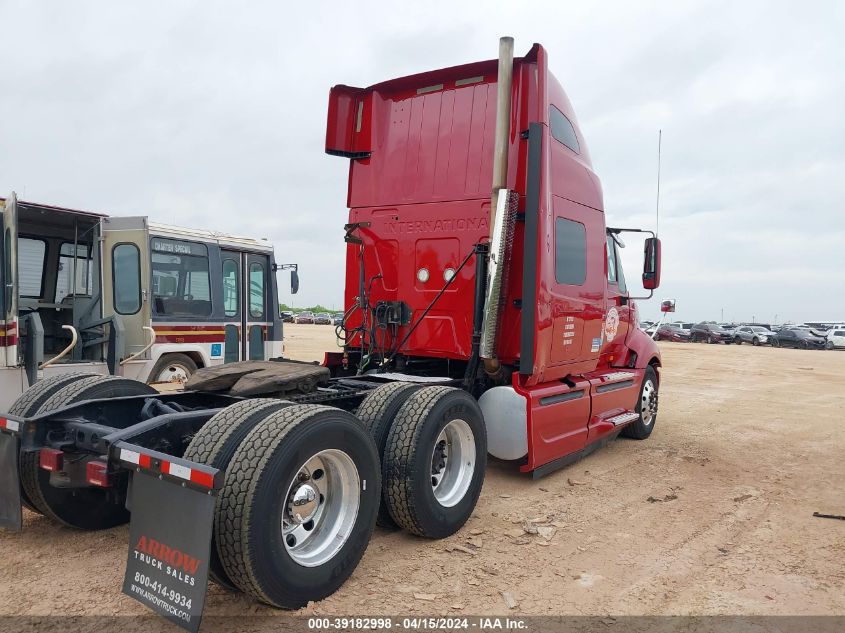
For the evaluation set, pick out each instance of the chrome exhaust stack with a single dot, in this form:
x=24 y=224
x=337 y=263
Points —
x=502 y=207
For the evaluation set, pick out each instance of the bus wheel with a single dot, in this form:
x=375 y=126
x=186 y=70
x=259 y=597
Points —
x=175 y=368
x=84 y=508
x=434 y=461
x=216 y=442
x=377 y=412
x=299 y=505
x=31 y=400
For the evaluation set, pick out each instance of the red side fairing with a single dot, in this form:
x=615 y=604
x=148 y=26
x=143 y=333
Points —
x=564 y=418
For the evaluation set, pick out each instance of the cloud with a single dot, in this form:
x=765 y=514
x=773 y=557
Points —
x=213 y=114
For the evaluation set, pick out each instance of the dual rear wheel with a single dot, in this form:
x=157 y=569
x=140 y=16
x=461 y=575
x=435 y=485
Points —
x=304 y=483
x=87 y=508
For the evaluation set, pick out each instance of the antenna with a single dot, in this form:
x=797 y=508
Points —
x=657 y=208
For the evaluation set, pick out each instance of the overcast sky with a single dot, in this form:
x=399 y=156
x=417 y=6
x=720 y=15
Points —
x=212 y=115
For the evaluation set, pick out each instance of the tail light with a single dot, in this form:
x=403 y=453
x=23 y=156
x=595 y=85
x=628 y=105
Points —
x=51 y=459
x=97 y=473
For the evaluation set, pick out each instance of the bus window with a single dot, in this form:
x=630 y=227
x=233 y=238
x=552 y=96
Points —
x=126 y=265
x=256 y=290
x=181 y=281
x=230 y=287
x=64 y=284
x=31 y=254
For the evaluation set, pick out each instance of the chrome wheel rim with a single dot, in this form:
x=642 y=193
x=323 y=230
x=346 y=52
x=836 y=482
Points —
x=173 y=373
x=321 y=507
x=452 y=463
x=648 y=402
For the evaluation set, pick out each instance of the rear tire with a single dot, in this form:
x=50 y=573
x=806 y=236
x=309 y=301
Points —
x=377 y=413
x=828 y=345
x=215 y=444
x=303 y=464
x=29 y=402
x=646 y=407
x=738 y=340
x=84 y=508
x=434 y=461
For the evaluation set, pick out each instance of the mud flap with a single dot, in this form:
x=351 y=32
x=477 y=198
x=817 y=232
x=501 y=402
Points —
x=169 y=547
x=10 y=485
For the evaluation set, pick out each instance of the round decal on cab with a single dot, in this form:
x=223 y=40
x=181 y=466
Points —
x=611 y=324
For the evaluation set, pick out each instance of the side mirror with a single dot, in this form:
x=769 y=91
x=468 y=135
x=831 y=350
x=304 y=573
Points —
x=651 y=265
x=668 y=305
x=294 y=281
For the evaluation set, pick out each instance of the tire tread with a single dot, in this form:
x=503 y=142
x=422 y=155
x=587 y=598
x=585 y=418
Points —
x=372 y=413
x=235 y=501
x=400 y=455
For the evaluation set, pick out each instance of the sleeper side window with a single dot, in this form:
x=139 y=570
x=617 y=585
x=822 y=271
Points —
x=563 y=130
x=570 y=252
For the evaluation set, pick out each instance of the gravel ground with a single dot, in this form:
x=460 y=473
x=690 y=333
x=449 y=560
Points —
x=711 y=515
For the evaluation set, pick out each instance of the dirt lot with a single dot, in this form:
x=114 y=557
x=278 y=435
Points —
x=711 y=515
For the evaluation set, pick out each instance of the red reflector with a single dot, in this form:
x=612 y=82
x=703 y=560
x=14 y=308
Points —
x=144 y=461
x=2 y=423
x=201 y=478
x=51 y=459
x=97 y=473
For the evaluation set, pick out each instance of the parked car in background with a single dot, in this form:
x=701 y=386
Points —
x=729 y=327
x=287 y=317
x=337 y=319
x=323 y=318
x=710 y=333
x=754 y=334
x=806 y=328
x=835 y=338
x=798 y=338
x=672 y=332
x=304 y=317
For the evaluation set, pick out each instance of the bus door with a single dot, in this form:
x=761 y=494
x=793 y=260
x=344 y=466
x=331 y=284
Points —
x=233 y=343
x=9 y=275
x=126 y=278
x=245 y=296
x=258 y=315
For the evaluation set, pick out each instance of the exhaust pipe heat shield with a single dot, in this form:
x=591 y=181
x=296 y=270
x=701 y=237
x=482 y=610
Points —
x=501 y=243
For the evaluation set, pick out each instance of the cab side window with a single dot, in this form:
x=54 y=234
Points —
x=611 y=260
x=614 y=265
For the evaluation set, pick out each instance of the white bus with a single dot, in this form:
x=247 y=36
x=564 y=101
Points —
x=122 y=295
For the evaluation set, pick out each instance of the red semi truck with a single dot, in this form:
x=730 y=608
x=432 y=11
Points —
x=486 y=312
